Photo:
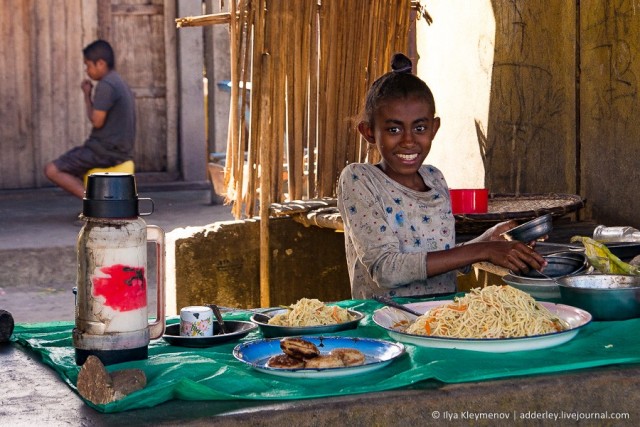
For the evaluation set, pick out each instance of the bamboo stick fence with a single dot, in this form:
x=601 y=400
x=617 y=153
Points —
x=323 y=55
x=309 y=63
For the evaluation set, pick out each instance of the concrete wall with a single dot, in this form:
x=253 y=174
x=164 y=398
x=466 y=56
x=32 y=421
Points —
x=220 y=264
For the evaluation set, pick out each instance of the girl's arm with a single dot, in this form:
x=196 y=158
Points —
x=515 y=256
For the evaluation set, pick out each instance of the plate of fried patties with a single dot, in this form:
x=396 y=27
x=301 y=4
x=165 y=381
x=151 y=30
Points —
x=318 y=356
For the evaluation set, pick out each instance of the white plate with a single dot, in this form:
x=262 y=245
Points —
x=386 y=317
x=378 y=354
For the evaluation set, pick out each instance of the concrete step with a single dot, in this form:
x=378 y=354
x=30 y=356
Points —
x=28 y=267
x=50 y=266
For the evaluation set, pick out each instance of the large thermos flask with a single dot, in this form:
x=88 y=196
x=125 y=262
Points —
x=112 y=320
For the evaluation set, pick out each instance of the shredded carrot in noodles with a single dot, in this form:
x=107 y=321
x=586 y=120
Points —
x=490 y=312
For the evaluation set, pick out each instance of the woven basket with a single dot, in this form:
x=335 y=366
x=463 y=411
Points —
x=503 y=207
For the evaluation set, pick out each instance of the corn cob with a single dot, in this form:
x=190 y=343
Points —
x=601 y=258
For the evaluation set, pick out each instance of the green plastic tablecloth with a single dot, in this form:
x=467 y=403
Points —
x=214 y=374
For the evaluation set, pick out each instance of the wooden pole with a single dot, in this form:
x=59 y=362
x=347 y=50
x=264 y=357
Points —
x=231 y=170
x=312 y=144
x=203 y=20
x=249 y=18
x=266 y=160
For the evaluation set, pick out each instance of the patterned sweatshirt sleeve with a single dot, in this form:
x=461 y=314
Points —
x=368 y=231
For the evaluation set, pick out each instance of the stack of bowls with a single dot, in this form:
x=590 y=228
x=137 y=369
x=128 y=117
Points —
x=559 y=265
x=605 y=296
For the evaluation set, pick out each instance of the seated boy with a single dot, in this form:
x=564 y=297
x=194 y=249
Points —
x=111 y=111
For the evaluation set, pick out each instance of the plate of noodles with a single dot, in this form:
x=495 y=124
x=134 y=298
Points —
x=375 y=354
x=494 y=319
x=307 y=316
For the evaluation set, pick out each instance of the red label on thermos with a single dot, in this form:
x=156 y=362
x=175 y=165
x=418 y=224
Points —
x=124 y=287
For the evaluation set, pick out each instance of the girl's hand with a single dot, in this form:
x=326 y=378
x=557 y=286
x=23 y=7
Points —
x=515 y=256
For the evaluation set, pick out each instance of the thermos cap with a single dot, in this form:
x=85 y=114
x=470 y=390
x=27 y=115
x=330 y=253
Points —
x=111 y=195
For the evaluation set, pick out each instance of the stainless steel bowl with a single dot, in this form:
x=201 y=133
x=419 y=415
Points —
x=271 y=331
x=605 y=296
x=559 y=264
x=531 y=230
x=540 y=289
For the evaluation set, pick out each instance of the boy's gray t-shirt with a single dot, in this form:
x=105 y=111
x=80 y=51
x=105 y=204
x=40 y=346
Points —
x=116 y=138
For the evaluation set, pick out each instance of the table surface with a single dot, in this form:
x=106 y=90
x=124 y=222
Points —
x=32 y=392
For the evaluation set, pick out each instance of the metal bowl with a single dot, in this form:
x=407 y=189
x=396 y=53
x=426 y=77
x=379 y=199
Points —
x=605 y=296
x=540 y=289
x=531 y=230
x=559 y=264
x=271 y=331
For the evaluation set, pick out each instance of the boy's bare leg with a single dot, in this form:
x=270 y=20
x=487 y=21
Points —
x=67 y=182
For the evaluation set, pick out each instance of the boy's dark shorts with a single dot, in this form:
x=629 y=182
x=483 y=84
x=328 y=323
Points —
x=79 y=160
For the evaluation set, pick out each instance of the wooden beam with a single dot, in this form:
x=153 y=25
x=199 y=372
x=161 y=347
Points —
x=203 y=20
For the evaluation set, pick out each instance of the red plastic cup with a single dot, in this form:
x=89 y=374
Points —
x=469 y=201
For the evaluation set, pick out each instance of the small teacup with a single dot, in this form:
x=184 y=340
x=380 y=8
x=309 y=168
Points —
x=196 y=321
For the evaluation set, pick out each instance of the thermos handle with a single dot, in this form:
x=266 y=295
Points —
x=153 y=206
x=156 y=234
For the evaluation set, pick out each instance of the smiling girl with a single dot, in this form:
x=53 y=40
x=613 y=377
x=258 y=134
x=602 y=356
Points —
x=399 y=229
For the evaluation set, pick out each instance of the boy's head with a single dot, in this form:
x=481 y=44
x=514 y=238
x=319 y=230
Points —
x=100 y=49
x=396 y=84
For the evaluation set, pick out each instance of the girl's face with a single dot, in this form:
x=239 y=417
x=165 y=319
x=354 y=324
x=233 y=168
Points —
x=403 y=130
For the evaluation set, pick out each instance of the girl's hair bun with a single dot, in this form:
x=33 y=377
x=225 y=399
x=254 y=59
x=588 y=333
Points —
x=400 y=83
x=401 y=64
